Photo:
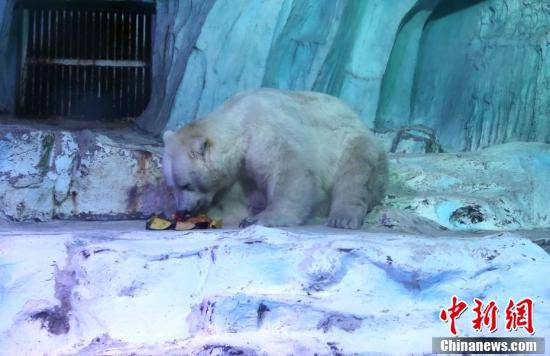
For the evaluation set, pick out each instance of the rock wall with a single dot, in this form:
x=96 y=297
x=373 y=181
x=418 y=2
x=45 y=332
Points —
x=8 y=51
x=489 y=85
x=477 y=72
x=500 y=188
x=50 y=173
x=178 y=24
x=483 y=73
x=337 y=47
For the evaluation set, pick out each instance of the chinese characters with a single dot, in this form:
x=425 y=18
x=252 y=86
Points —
x=517 y=315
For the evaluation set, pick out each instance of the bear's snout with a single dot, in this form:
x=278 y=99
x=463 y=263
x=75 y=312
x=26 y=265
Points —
x=191 y=202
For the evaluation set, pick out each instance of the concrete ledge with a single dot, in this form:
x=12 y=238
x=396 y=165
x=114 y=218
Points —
x=105 y=174
x=56 y=173
x=112 y=288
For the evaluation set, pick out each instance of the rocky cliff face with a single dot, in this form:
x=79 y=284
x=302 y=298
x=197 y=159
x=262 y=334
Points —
x=8 y=43
x=483 y=76
x=475 y=72
x=340 y=48
x=478 y=72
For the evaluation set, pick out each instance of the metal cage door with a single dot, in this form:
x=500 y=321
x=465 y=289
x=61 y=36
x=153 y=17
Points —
x=85 y=60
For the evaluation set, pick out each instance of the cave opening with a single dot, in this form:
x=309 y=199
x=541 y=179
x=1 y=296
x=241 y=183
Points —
x=414 y=61
x=84 y=60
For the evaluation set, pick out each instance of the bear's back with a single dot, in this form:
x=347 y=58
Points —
x=287 y=108
x=318 y=126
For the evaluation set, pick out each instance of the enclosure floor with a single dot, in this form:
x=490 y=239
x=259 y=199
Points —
x=113 y=287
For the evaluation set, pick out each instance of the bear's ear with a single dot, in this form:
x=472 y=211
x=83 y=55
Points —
x=167 y=134
x=199 y=147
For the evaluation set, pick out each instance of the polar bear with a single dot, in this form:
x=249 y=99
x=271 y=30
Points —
x=296 y=155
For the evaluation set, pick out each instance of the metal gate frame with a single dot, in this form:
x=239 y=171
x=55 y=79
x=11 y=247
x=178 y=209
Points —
x=85 y=59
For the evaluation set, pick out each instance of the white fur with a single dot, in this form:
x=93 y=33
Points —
x=307 y=153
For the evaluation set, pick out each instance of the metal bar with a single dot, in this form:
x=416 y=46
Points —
x=123 y=93
x=101 y=45
x=78 y=34
x=40 y=96
x=84 y=99
x=83 y=60
x=129 y=37
x=146 y=20
x=144 y=56
x=47 y=52
x=107 y=33
x=54 y=68
x=70 y=74
x=111 y=89
x=88 y=62
x=59 y=90
x=135 y=39
x=139 y=36
x=135 y=70
x=136 y=6
x=85 y=42
x=115 y=36
x=122 y=36
x=94 y=35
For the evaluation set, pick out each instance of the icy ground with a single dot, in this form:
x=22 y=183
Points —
x=114 y=288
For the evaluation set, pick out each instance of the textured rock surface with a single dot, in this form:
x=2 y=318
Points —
x=305 y=45
x=415 y=139
x=391 y=62
x=51 y=173
x=8 y=51
x=504 y=187
x=115 y=174
x=491 y=83
x=178 y=26
x=391 y=72
x=112 y=288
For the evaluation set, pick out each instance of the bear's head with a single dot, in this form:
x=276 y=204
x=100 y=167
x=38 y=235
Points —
x=193 y=168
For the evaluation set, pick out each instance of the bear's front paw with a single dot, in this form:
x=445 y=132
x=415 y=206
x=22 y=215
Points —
x=345 y=221
x=270 y=219
x=275 y=219
x=246 y=222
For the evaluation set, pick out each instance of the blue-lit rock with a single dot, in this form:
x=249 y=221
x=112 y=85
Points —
x=483 y=75
x=487 y=85
x=475 y=72
x=335 y=47
x=8 y=51
x=114 y=288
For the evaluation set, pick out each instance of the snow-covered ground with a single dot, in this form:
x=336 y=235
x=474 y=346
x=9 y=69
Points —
x=114 y=288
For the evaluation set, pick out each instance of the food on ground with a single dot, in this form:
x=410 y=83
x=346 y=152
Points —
x=183 y=221
x=156 y=223
x=184 y=225
x=216 y=224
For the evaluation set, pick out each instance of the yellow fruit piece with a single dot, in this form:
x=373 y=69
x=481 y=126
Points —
x=156 y=223
x=216 y=224
x=184 y=225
